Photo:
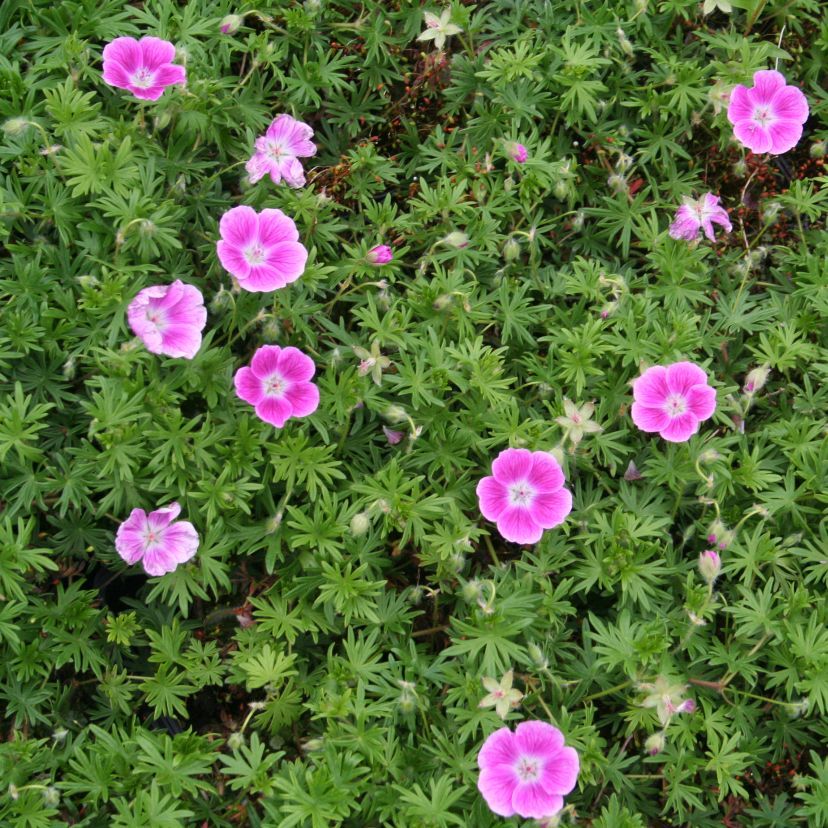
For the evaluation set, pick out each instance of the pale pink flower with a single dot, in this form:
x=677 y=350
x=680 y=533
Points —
x=380 y=255
x=524 y=495
x=156 y=539
x=144 y=66
x=699 y=214
x=527 y=772
x=672 y=400
x=769 y=116
x=278 y=385
x=169 y=319
x=262 y=250
x=278 y=152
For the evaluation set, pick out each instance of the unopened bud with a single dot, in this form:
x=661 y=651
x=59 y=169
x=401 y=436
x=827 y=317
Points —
x=51 y=796
x=770 y=211
x=624 y=42
x=235 y=740
x=538 y=658
x=380 y=255
x=15 y=126
x=456 y=239
x=818 y=149
x=756 y=379
x=710 y=565
x=655 y=743
x=618 y=183
x=395 y=414
x=360 y=524
x=271 y=330
x=561 y=189
x=231 y=24
x=517 y=152
x=471 y=591
x=511 y=250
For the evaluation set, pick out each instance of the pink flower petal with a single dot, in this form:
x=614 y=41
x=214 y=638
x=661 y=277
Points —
x=499 y=748
x=239 y=226
x=765 y=83
x=531 y=801
x=560 y=773
x=258 y=167
x=740 y=107
x=180 y=541
x=755 y=138
x=784 y=136
x=115 y=74
x=288 y=260
x=130 y=537
x=790 y=104
x=682 y=376
x=651 y=387
x=550 y=509
x=181 y=341
x=303 y=398
x=151 y=93
x=265 y=361
x=158 y=561
x=262 y=279
x=248 y=386
x=497 y=785
x=686 y=224
x=493 y=498
x=545 y=475
x=155 y=52
x=276 y=227
x=274 y=411
x=649 y=418
x=295 y=366
x=232 y=259
x=161 y=518
x=516 y=524
x=124 y=51
x=681 y=428
x=701 y=400
x=170 y=75
x=512 y=465
x=538 y=739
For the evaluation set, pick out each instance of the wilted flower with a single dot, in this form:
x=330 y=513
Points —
x=262 y=250
x=392 y=436
x=667 y=698
x=371 y=362
x=577 y=422
x=380 y=255
x=526 y=772
x=699 y=214
x=632 y=472
x=278 y=152
x=769 y=116
x=524 y=495
x=672 y=400
x=169 y=319
x=156 y=539
x=231 y=24
x=502 y=696
x=439 y=28
x=144 y=66
x=277 y=383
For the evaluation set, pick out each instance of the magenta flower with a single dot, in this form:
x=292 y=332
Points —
x=695 y=215
x=517 y=152
x=524 y=495
x=380 y=255
x=278 y=152
x=156 y=539
x=672 y=400
x=169 y=319
x=262 y=250
x=144 y=66
x=278 y=384
x=527 y=772
x=769 y=116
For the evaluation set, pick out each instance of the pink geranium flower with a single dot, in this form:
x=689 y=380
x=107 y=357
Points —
x=278 y=152
x=278 y=384
x=144 y=66
x=380 y=255
x=262 y=250
x=769 y=116
x=169 y=319
x=156 y=539
x=701 y=214
x=524 y=495
x=673 y=400
x=527 y=772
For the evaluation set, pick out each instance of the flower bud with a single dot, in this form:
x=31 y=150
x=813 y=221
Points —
x=456 y=239
x=51 y=796
x=16 y=126
x=655 y=743
x=395 y=413
x=380 y=255
x=770 y=211
x=618 y=183
x=710 y=565
x=756 y=379
x=818 y=149
x=517 y=152
x=511 y=250
x=561 y=189
x=471 y=591
x=632 y=472
x=231 y=24
x=624 y=42
x=235 y=740
x=538 y=658
x=360 y=524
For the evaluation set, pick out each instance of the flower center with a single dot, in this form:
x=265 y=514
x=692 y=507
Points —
x=255 y=254
x=675 y=405
x=521 y=494
x=152 y=536
x=528 y=769
x=156 y=317
x=762 y=116
x=275 y=386
x=275 y=151
x=143 y=78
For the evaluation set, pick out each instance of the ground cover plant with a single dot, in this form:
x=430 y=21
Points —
x=413 y=415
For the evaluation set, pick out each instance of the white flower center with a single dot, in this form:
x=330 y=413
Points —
x=255 y=254
x=762 y=116
x=156 y=317
x=275 y=385
x=143 y=78
x=275 y=150
x=521 y=494
x=528 y=769
x=675 y=405
x=152 y=536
